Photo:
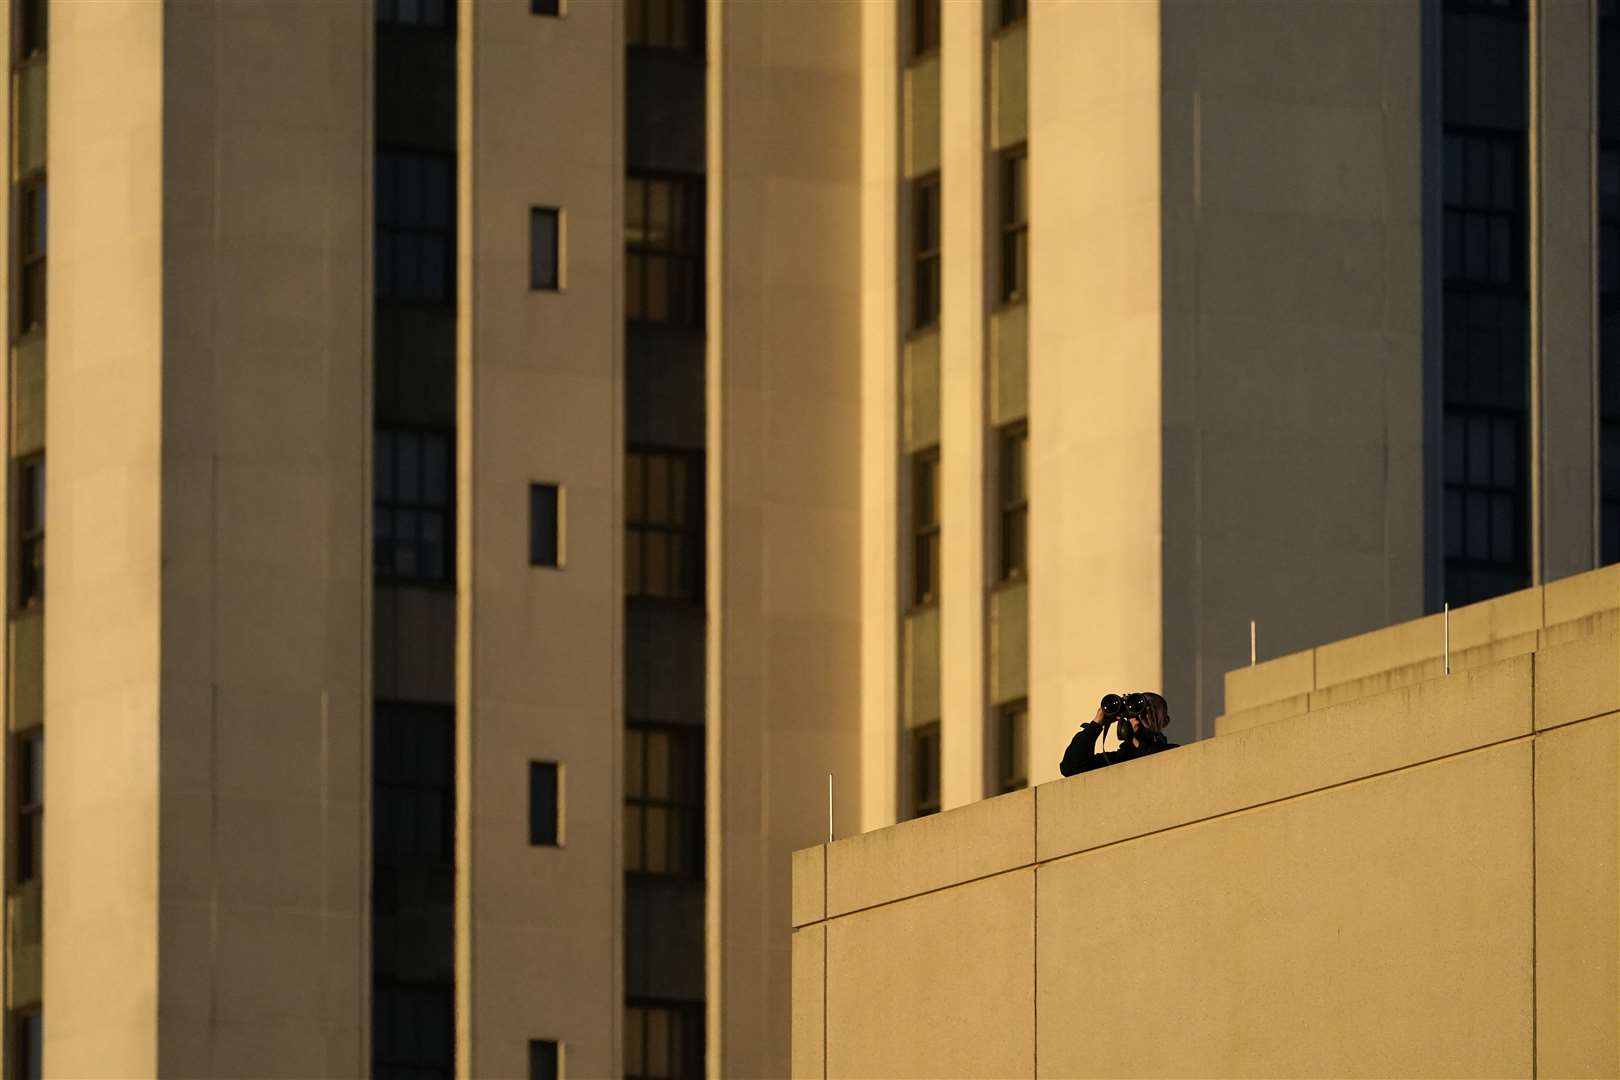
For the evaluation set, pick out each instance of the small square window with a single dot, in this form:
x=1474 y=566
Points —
x=545 y=248
x=545 y=1059
x=545 y=804
x=546 y=7
x=545 y=525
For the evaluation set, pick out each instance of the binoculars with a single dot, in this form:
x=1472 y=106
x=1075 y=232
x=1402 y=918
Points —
x=1123 y=707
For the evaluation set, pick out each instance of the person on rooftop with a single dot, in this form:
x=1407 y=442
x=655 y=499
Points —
x=1124 y=728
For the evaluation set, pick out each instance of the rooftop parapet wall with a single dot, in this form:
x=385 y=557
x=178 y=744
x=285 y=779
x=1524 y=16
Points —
x=1420 y=882
x=1583 y=606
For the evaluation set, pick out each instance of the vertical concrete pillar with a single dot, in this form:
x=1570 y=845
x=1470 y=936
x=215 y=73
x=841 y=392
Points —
x=1095 y=362
x=880 y=411
x=1566 y=122
x=962 y=401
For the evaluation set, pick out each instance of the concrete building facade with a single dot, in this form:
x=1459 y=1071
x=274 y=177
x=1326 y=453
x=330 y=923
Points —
x=506 y=456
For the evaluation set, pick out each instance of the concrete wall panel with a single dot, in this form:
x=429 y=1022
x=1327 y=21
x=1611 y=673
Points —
x=1381 y=929
x=929 y=987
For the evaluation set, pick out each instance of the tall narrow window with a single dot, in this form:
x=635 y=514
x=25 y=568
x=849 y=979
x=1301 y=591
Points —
x=925 y=273
x=414 y=505
x=413 y=1028
x=663 y=519
x=545 y=804
x=30 y=780
x=1014 y=224
x=31 y=531
x=32 y=234
x=924 y=26
x=28 y=1049
x=1012 y=746
x=663 y=250
x=1013 y=11
x=663 y=1040
x=552 y=8
x=1485 y=300
x=418 y=14
x=663 y=797
x=925 y=527
x=925 y=770
x=545 y=248
x=676 y=25
x=414 y=801
x=545 y=525
x=1608 y=257
x=545 y=1059
x=1014 y=498
x=415 y=229
x=33 y=27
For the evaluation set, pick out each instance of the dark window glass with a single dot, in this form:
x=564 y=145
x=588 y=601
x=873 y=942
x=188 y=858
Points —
x=414 y=807
x=545 y=254
x=545 y=526
x=33 y=27
x=663 y=797
x=425 y=14
x=1608 y=258
x=545 y=803
x=1485 y=300
x=32 y=234
x=545 y=7
x=1015 y=224
x=1014 y=500
x=1012 y=746
x=28 y=1050
x=924 y=26
x=415 y=229
x=413 y=1030
x=544 y=1060
x=925 y=770
x=664 y=24
x=925 y=527
x=663 y=1040
x=663 y=250
x=413 y=532
x=30 y=780
x=925 y=266
x=663 y=518
x=31 y=532
x=1013 y=11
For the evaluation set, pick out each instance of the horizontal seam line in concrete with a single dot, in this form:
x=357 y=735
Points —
x=1579 y=720
x=1038 y=863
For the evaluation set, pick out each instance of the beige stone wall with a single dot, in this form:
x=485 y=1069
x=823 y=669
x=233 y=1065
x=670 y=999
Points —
x=1095 y=352
x=1422 y=882
x=210 y=178
x=1293 y=396
x=784 y=524
x=540 y=391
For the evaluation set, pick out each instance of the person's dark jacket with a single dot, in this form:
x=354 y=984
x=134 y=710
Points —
x=1081 y=756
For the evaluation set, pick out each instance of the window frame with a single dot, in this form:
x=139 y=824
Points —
x=923 y=35
x=1011 y=13
x=28 y=569
x=396 y=505
x=1012 y=507
x=1012 y=768
x=559 y=275
x=926 y=262
x=692 y=532
x=685 y=1016
x=30 y=317
x=559 y=523
x=1012 y=226
x=925 y=531
x=447 y=27
x=449 y=232
x=559 y=827
x=685 y=810
x=21 y=52
x=27 y=1034
x=537 y=1050
x=559 y=8
x=444 y=993
x=686 y=256
x=386 y=713
x=696 y=27
x=925 y=743
x=28 y=814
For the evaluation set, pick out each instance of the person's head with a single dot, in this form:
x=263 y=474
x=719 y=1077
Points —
x=1157 y=715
